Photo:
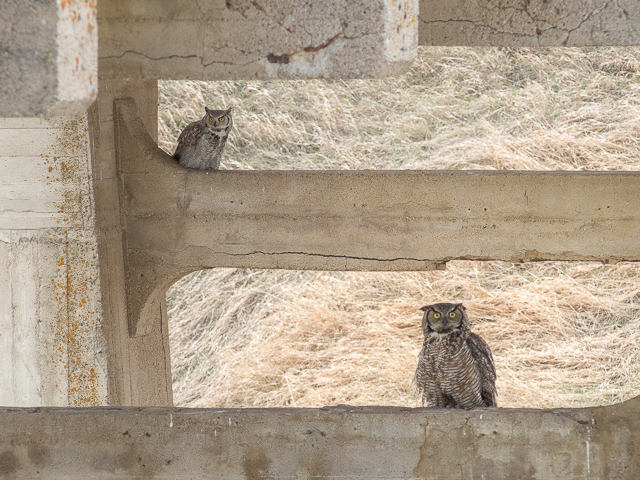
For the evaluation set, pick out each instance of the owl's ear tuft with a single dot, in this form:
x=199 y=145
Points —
x=461 y=307
x=207 y=110
x=227 y=111
x=425 y=308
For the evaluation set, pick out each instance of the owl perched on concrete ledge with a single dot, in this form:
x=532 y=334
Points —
x=201 y=143
x=455 y=367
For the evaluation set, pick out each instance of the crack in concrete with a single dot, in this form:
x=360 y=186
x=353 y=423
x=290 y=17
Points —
x=286 y=57
x=585 y=19
x=147 y=56
x=268 y=19
x=541 y=25
x=221 y=62
x=624 y=11
x=588 y=424
x=258 y=6
x=199 y=7
x=324 y=45
x=321 y=255
x=204 y=65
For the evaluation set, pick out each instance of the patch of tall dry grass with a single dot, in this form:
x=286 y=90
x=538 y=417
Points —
x=563 y=334
x=480 y=108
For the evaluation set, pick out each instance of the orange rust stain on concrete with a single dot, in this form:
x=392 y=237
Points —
x=76 y=321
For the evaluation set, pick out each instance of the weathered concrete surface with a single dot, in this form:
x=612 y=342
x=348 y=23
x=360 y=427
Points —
x=243 y=39
x=336 y=442
x=179 y=220
x=63 y=329
x=139 y=368
x=524 y=23
x=51 y=336
x=49 y=49
x=48 y=57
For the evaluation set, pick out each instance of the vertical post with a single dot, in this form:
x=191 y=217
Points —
x=51 y=328
x=139 y=366
x=64 y=338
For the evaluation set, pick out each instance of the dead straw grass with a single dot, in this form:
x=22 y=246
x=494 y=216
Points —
x=563 y=334
x=469 y=108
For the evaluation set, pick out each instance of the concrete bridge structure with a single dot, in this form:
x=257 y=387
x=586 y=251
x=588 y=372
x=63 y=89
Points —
x=96 y=223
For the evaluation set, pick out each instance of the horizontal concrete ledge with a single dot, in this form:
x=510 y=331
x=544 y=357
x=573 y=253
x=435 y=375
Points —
x=179 y=220
x=248 y=40
x=335 y=442
x=535 y=23
x=384 y=220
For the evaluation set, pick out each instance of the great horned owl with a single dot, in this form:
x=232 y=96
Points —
x=455 y=367
x=201 y=143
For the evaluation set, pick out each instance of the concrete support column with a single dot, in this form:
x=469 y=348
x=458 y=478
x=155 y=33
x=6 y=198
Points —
x=139 y=365
x=52 y=345
x=64 y=336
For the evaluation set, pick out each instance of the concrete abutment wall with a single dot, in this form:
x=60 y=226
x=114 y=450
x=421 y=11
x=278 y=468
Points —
x=63 y=323
x=51 y=331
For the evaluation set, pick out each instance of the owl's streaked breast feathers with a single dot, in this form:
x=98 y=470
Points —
x=455 y=366
x=201 y=143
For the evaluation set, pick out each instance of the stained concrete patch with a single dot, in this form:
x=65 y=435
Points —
x=255 y=464
x=8 y=463
x=38 y=454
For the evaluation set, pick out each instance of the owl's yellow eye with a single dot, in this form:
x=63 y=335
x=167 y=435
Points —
x=436 y=315
x=221 y=119
x=452 y=314
x=210 y=119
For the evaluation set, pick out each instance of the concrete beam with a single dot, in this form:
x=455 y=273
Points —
x=265 y=39
x=179 y=220
x=48 y=57
x=335 y=443
x=535 y=23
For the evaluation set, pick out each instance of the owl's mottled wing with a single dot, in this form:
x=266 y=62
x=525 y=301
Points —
x=188 y=139
x=418 y=379
x=423 y=379
x=484 y=361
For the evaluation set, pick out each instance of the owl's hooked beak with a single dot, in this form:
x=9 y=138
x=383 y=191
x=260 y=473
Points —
x=444 y=321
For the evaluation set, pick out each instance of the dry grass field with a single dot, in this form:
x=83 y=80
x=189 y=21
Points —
x=562 y=334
